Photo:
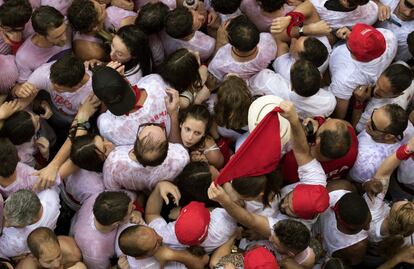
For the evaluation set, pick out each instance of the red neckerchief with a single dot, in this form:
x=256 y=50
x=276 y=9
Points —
x=137 y=93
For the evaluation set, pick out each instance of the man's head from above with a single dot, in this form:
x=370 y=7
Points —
x=67 y=73
x=14 y=15
x=305 y=201
x=49 y=23
x=183 y=22
x=405 y=10
x=270 y=6
x=333 y=140
x=352 y=213
x=309 y=48
x=365 y=43
x=226 y=7
x=151 y=145
x=87 y=16
x=21 y=209
x=8 y=158
x=139 y=241
x=151 y=17
x=44 y=245
x=112 y=208
x=393 y=81
x=243 y=34
x=387 y=124
x=305 y=78
x=290 y=237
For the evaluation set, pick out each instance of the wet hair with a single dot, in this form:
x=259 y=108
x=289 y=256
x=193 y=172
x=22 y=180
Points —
x=400 y=77
x=111 y=207
x=400 y=225
x=335 y=144
x=131 y=241
x=226 y=6
x=8 y=157
x=147 y=144
x=138 y=46
x=410 y=42
x=353 y=209
x=314 y=51
x=270 y=5
x=398 y=119
x=67 y=71
x=252 y=187
x=46 y=18
x=305 y=78
x=233 y=102
x=292 y=234
x=180 y=70
x=38 y=237
x=198 y=112
x=85 y=154
x=179 y=22
x=22 y=208
x=82 y=15
x=193 y=183
x=243 y=34
x=15 y=13
x=19 y=127
x=151 y=17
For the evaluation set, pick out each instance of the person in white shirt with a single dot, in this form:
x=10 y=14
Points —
x=247 y=53
x=182 y=31
x=402 y=13
x=366 y=54
x=25 y=211
x=394 y=86
x=382 y=136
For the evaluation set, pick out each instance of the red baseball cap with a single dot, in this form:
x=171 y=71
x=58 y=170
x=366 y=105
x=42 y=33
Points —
x=309 y=200
x=366 y=43
x=260 y=258
x=191 y=227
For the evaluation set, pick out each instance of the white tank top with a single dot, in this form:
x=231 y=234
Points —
x=333 y=239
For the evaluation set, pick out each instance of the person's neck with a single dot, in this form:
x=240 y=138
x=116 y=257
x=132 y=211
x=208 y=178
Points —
x=317 y=155
x=189 y=37
x=7 y=181
x=40 y=41
x=384 y=227
x=241 y=56
x=102 y=228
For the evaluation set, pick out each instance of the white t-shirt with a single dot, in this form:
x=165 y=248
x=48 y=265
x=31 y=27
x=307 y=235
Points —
x=371 y=154
x=13 y=241
x=348 y=74
x=83 y=184
x=367 y=14
x=66 y=102
x=29 y=56
x=401 y=32
x=320 y=104
x=311 y=173
x=333 y=239
x=122 y=173
x=267 y=82
x=403 y=101
x=200 y=42
x=220 y=229
x=224 y=63
x=122 y=130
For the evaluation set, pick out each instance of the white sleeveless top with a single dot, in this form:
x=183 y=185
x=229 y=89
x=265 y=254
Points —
x=333 y=239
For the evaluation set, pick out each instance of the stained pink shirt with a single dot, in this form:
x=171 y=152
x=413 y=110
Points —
x=96 y=247
x=114 y=17
x=84 y=184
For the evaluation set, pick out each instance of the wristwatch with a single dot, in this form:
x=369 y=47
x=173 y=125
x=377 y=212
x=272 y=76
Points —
x=301 y=33
x=83 y=125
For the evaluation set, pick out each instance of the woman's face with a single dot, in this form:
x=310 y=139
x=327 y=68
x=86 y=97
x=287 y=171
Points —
x=119 y=51
x=104 y=147
x=192 y=131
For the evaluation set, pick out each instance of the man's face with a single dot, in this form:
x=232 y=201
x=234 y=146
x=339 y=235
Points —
x=383 y=88
x=101 y=14
x=286 y=205
x=51 y=256
x=405 y=10
x=297 y=46
x=58 y=36
x=198 y=20
x=12 y=35
x=281 y=249
x=151 y=241
x=377 y=124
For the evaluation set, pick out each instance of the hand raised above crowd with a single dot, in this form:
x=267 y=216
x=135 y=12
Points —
x=89 y=106
x=320 y=28
x=26 y=90
x=9 y=108
x=384 y=12
x=280 y=24
x=217 y=193
x=288 y=111
x=172 y=102
x=165 y=188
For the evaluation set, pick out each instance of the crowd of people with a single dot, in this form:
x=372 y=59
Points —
x=222 y=134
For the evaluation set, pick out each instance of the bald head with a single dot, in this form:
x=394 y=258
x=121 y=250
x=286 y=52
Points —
x=139 y=241
x=41 y=238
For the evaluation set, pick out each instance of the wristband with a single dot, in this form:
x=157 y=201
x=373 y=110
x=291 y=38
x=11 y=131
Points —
x=297 y=20
x=403 y=153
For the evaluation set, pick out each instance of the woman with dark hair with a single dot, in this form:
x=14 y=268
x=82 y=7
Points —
x=183 y=72
x=130 y=47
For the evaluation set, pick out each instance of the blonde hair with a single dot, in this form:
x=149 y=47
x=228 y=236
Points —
x=400 y=225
